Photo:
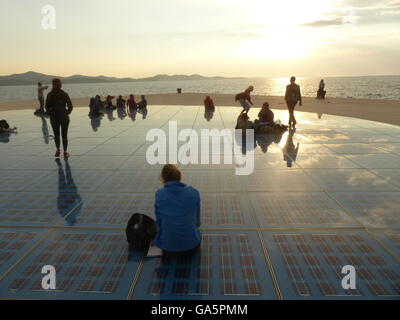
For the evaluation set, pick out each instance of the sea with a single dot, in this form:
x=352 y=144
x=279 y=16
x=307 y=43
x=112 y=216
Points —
x=367 y=87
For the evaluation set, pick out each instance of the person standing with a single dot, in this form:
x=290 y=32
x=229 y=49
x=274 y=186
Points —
x=292 y=96
x=40 y=91
x=321 y=90
x=131 y=104
x=59 y=107
x=245 y=99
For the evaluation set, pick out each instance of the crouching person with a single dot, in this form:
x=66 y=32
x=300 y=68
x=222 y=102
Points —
x=177 y=211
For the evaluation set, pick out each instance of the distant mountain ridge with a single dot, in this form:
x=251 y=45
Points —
x=32 y=78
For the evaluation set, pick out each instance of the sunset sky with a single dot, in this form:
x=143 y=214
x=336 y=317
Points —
x=129 y=38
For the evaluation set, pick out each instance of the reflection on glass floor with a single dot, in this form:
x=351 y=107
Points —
x=322 y=197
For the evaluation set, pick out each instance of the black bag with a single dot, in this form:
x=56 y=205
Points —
x=239 y=96
x=4 y=124
x=140 y=231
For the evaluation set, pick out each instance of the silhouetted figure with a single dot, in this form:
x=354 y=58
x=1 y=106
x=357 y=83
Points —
x=121 y=102
x=266 y=115
x=131 y=104
x=95 y=106
x=40 y=90
x=321 y=90
x=68 y=197
x=109 y=103
x=290 y=151
x=209 y=108
x=292 y=96
x=143 y=103
x=245 y=99
x=6 y=131
x=177 y=211
x=59 y=107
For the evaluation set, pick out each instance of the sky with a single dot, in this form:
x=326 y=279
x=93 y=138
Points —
x=249 y=38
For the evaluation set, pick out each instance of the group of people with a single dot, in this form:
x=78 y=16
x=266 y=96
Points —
x=292 y=97
x=98 y=107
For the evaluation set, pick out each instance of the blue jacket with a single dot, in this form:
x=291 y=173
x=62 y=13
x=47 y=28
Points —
x=177 y=211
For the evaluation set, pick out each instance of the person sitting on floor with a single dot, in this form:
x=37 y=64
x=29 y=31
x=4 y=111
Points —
x=143 y=103
x=5 y=127
x=121 y=102
x=266 y=115
x=177 y=212
x=209 y=104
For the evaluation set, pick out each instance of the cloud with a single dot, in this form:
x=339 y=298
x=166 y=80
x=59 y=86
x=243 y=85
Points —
x=323 y=23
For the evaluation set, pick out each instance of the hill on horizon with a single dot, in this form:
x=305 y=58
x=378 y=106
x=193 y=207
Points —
x=32 y=78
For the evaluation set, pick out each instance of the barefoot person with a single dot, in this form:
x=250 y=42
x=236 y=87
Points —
x=59 y=106
x=177 y=211
x=292 y=96
x=245 y=99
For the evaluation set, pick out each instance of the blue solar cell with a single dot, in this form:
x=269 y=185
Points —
x=89 y=264
x=309 y=265
x=229 y=265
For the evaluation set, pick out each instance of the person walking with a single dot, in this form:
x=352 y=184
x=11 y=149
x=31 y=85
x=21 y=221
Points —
x=59 y=107
x=292 y=96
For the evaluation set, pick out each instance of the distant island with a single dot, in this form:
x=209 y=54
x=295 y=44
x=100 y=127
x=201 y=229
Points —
x=32 y=78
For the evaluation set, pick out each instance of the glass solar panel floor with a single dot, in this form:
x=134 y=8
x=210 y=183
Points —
x=319 y=198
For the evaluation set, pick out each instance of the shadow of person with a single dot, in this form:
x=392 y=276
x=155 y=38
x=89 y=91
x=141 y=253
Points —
x=69 y=201
x=132 y=115
x=290 y=150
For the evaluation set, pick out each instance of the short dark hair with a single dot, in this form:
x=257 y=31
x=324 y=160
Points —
x=170 y=173
x=293 y=79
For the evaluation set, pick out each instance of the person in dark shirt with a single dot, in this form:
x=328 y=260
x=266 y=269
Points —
x=59 y=107
x=292 y=96
x=143 y=103
x=121 y=102
x=266 y=115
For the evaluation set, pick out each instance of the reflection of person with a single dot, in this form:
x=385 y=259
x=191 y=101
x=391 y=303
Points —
x=68 y=197
x=45 y=130
x=292 y=96
x=40 y=91
x=290 y=151
x=208 y=115
x=177 y=211
x=59 y=107
x=245 y=99
x=95 y=122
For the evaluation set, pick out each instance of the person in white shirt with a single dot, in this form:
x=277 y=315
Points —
x=40 y=90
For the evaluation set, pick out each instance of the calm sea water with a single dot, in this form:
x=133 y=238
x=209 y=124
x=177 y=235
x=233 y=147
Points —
x=373 y=87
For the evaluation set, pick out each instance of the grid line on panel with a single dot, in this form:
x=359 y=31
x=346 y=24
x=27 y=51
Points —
x=265 y=251
x=390 y=252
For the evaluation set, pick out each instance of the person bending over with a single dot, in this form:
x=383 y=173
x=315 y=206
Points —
x=177 y=211
x=59 y=107
x=245 y=99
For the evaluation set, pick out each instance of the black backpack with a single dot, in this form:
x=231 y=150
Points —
x=140 y=231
